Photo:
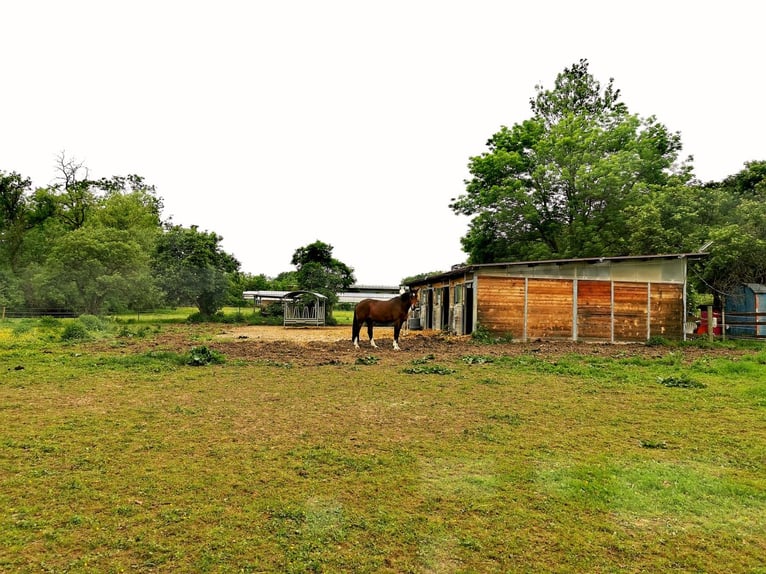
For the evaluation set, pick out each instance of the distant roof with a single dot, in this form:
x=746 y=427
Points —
x=355 y=297
x=294 y=294
x=264 y=295
x=374 y=288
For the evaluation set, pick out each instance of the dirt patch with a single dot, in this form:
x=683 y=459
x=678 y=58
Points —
x=306 y=346
x=332 y=345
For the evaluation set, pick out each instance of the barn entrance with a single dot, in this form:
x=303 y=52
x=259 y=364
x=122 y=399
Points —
x=445 y=322
x=468 y=309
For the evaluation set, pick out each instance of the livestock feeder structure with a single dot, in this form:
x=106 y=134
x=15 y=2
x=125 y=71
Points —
x=610 y=299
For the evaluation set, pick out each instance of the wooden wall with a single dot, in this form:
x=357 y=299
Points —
x=604 y=310
x=667 y=310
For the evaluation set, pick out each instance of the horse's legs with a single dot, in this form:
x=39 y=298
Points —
x=397 y=330
x=355 y=328
x=369 y=332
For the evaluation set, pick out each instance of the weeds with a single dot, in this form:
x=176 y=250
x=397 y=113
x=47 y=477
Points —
x=484 y=336
x=428 y=370
x=477 y=359
x=200 y=356
x=680 y=382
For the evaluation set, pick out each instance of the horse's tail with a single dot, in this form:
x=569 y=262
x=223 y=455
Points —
x=355 y=327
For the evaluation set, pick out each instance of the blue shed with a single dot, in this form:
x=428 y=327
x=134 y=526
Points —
x=746 y=311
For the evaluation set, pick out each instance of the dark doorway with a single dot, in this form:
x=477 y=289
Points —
x=429 y=319
x=468 y=309
x=445 y=309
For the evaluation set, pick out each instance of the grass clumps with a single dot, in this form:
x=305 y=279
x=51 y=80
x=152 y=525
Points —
x=680 y=382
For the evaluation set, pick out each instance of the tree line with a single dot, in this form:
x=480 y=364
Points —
x=582 y=177
x=585 y=177
x=100 y=245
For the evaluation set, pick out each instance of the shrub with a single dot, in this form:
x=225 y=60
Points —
x=75 y=331
x=200 y=356
x=657 y=341
x=48 y=322
x=483 y=335
x=93 y=323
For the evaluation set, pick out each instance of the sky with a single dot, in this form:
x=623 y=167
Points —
x=277 y=124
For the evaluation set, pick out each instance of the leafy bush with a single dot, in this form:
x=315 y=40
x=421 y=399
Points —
x=275 y=309
x=75 y=331
x=48 y=322
x=657 y=341
x=484 y=336
x=200 y=356
x=93 y=323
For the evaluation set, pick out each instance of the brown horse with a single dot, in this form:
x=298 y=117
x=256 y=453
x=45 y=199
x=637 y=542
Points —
x=394 y=311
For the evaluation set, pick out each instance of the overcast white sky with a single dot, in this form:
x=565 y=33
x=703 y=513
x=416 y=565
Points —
x=278 y=123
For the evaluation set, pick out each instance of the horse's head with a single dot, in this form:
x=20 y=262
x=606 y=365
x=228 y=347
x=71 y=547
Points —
x=413 y=298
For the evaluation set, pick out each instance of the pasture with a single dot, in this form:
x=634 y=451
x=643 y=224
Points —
x=120 y=453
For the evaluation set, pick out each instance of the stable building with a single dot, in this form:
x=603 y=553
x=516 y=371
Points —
x=610 y=299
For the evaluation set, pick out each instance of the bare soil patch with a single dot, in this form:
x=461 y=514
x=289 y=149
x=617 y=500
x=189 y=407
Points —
x=332 y=345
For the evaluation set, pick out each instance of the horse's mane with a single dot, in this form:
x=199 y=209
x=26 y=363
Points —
x=405 y=297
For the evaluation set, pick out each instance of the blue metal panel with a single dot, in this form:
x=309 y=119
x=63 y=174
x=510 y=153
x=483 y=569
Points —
x=746 y=311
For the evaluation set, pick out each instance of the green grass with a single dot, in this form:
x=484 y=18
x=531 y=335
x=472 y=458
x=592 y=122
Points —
x=141 y=463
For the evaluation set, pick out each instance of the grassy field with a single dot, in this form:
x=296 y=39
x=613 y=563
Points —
x=342 y=317
x=119 y=462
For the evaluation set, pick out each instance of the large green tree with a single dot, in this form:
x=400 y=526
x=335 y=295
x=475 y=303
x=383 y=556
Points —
x=734 y=219
x=14 y=212
x=561 y=183
x=104 y=264
x=193 y=269
x=317 y=270
x=94 y=269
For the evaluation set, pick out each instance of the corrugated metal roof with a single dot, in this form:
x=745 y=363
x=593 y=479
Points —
x=756 y=288
x=457 y=271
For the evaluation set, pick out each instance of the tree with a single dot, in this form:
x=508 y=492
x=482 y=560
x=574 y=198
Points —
x=74 y=193
x=736 y=224
x=559 y=184
x=93 y=269
x=13 y=216
x=317 y=270
x=193 y=269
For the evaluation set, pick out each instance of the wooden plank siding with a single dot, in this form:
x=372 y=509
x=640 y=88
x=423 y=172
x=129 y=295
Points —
x=667 y=310
x=534 y=308
x=501 y=305
x=549 y=308
x=594 y=310
x=631 y=306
